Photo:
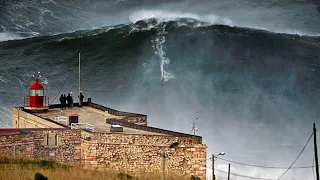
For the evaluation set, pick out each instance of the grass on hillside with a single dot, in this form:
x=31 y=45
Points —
x=16 y=169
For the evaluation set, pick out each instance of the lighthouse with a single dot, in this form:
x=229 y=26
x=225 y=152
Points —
x=36 y=101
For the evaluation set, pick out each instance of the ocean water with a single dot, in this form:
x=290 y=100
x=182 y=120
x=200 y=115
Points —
x=248 y=70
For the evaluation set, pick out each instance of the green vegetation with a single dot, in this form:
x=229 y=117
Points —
x=123 y=176
x=16 y=169
x=32 y=163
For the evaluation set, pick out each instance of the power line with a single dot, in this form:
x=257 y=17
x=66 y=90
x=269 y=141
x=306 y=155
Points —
x=251 y=177
x=268 y=167
x=69 y=73
x=220 y=177
x=65 y=81
x=240 y=175
x=296 y=158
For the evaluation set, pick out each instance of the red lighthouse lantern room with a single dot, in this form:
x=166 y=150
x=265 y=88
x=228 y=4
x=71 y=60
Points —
x=36 y=99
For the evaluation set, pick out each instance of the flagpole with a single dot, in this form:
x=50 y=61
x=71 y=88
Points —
x=80 y=72
x=79 y=76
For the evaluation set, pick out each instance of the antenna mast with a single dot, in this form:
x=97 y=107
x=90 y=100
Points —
x=80 y=71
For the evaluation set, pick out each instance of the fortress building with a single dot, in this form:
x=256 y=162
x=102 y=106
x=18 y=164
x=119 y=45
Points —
x=94 y=136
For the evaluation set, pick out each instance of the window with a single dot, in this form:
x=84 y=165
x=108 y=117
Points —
x=36 y=92
x=50 y=140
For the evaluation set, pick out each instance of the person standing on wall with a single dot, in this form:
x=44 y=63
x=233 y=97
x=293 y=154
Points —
x=61 y=101
x=72 y=95
x=81 y=98
x=69 y=100
x=64 y=102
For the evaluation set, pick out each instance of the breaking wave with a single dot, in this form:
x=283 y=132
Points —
x=205 y=20
x=251 y=83
x=8 y=36
x=159 y=16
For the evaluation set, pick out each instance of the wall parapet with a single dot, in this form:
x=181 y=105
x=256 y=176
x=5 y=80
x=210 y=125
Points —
x=126 y=116
x=123 y=116
x=150 y=129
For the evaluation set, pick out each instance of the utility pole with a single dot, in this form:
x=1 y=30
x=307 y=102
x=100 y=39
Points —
x=315 y=149
x=229 y=172
x=194 y=128
x=213 y=176
x=163 y=164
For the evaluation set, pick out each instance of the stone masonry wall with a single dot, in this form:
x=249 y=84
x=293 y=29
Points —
x=136 y=153
x=120 y=152
x=59 y=145
x=17 y=146
x=134 y=119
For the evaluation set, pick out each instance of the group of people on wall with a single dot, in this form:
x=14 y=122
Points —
x=67 y=101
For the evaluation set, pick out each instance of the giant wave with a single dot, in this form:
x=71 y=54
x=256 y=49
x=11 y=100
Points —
x=246 y=85
x=161 y=16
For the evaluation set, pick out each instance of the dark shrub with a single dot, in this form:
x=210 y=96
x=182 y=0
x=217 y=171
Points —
x=40 y=176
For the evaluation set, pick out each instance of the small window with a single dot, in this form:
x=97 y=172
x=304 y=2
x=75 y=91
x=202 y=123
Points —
x=36 y=92
x=50 y=140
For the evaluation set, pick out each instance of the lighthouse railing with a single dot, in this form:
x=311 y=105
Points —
x=26 y=101
x=46 y=101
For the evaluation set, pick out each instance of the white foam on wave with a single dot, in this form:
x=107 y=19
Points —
x=29 y=78
x=158 y=42
x=8 y=36
x=162 y=15
x=1 y=79
x=210 y=19
x=158 y=45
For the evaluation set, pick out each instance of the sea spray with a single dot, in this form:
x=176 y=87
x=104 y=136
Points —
x=158 y=42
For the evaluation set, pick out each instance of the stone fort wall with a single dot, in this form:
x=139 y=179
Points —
x=131 y=153
x=60 y=145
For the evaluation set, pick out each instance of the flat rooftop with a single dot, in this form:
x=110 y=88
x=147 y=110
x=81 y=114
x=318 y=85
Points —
x=91 y=116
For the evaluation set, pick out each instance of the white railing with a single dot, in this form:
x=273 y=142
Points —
x=61 y=118
x=82 y=126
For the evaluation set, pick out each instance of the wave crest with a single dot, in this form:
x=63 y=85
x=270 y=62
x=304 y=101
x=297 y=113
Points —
x=173 y=16
x=9 y=36
x=206 y=20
